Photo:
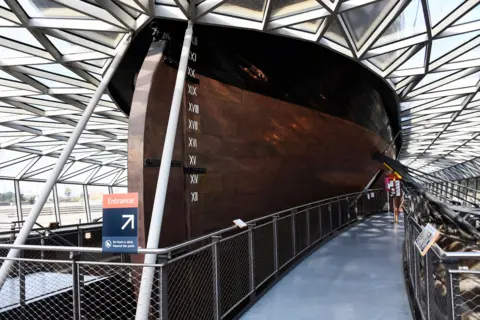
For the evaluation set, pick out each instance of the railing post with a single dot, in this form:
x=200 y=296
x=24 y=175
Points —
x=216 y=279
x=294 y=238
x=77 y=315
x=163 y=288
x=275 y=244
x=21 y=277
x=251 y=260
x=452 y=290
x=428 y=269
x=307 y=216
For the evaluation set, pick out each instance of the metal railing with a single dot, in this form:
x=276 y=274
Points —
x=445 y=285
x=212 y=277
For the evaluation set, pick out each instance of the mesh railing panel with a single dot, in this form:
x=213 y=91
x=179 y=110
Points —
x=315 y=232
x=466 y=295
x=234 y=270
x=335 y=215
x=109 y=291
x=285 y=244
x=38 y=290
x=301 y=231
x=437 y=288
x=190 y=286
x=344 y=211
x=325 y=217
x=263 y=252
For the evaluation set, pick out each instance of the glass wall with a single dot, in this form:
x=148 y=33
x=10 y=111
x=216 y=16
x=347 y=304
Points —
x=95 y=198
x=8 y=205
x=67 y=206
x=29 y=192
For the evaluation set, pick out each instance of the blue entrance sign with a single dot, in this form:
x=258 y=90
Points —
x=120 y=223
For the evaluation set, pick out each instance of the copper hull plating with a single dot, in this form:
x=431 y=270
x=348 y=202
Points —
x=261 y=154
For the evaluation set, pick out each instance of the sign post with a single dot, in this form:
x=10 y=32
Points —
x=426 y=239
x=120 y=223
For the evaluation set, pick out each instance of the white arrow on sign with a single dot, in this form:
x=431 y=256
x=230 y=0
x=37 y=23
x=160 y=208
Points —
x=129 y=218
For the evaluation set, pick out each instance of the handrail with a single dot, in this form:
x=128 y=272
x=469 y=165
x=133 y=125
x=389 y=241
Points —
x=161 y=251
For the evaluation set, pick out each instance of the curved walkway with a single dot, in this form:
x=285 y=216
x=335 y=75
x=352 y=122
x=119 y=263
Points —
x=357 y=275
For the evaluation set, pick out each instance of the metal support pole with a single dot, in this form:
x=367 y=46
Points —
x=56 y=205
x=216 y=279
x=18 y=201
x=275 y=244
x=162 y=182
x=251 y=260
x=52 y=179
x=86 y=203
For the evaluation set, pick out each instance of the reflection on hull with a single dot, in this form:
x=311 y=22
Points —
x=267 y=138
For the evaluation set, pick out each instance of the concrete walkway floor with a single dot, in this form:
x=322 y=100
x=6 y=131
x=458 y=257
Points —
x=357 y=275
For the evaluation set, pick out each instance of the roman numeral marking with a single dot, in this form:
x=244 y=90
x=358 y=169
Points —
x=192 y=90
x=192 y=56
x=193 y=160
x=192 y=142
x=193 y=125
x=194 y=196
x=193 y=107
x=194 y=41
x=191 y=72
x=193 y=178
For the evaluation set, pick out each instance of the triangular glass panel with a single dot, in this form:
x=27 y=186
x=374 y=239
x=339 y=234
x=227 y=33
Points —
x=42 y=163
x=465 y=82
x=50 y=9
x=410 y=23
x=308 y=26
x=471 y=16
x=13 y=170
x=6 y=53
x=20 y=35
x=65 y=47
x=416 y=61
x=77 y=166
x=108 y=38
x=439 y=9
x=397 y=79
x=334 y=33
x=97 y=62
x=383 y=61
x=282 y=8
x=52 y=84
x=58 y=69
x=82 y=177
x=441 y=47
x=247 y=9
x=361 y=21
x=4 y=75
x=6 y=23
x=469 y=55
x=432 y=77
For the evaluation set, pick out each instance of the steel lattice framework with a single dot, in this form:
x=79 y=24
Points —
x=53 y=54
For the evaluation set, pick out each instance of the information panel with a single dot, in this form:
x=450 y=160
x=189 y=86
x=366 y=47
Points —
x=120 y=223
x=426 y=239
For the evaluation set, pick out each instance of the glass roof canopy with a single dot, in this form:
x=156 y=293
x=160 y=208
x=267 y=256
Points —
x=53 y=54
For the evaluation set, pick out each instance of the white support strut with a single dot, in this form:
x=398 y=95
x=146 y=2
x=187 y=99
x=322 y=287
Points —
x=148 y=272
x=52 y=179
